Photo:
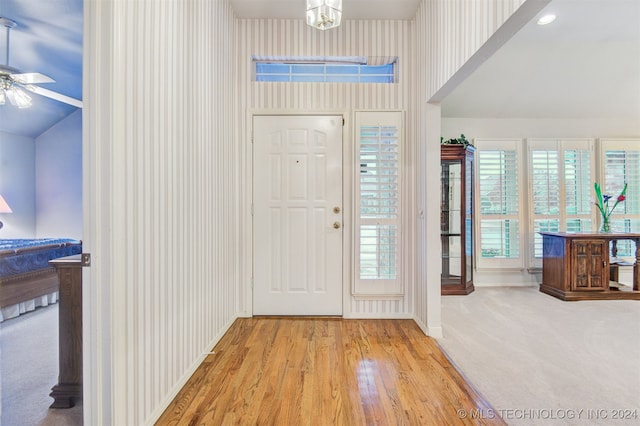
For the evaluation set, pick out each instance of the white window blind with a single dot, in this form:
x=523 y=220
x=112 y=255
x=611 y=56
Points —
x=579 y=172
x=578 y=178
x=545 y=184
x=499 y=219
x=622 y=164
x=560 y=185
x=379 y=136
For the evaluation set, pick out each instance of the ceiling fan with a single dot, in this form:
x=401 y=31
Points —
x=13 y=81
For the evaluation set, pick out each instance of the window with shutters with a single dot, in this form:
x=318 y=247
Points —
x=379 y=139
x=561 y=176
x=558 y=178
x=499 y=225
x=620 y=164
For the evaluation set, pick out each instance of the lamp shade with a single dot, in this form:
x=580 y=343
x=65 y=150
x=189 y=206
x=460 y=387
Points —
x=324 y=14
x=4 y=207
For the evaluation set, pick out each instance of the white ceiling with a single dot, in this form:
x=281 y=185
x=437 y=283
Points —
x=586 y=64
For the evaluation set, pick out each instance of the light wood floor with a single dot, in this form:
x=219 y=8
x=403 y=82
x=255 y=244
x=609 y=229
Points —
x=326 y=371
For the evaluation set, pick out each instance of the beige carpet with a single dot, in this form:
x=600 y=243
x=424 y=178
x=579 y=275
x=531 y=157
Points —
x=542 y=361
x=28 y=370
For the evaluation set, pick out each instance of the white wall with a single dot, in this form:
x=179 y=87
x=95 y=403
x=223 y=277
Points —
x=160 y=200
x=58 y=189
x=540 y=128
x=17 y=185
x=41 y=179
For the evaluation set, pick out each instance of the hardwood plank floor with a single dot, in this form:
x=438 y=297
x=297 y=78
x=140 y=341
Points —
x=327 y=371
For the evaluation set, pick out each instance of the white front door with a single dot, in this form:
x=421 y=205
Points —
x=297 y=215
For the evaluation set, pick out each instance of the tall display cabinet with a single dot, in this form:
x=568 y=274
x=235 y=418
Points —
x=456 y=223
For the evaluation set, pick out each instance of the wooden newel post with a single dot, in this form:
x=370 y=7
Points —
x=68 y=390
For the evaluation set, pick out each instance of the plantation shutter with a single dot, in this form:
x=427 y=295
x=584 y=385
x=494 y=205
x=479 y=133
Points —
x=622 y=164
x=578 y=180
x=498 y=169
x=560 y=185
x=379 y=136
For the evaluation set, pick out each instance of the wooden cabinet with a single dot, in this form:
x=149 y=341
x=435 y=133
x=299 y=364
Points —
x=576 y=266
x=456 y=223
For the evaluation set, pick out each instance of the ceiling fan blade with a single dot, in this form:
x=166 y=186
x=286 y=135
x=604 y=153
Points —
x=55 y=95
x=32 y=78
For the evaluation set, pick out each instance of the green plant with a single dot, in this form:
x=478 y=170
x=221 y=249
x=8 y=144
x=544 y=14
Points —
x=462 y=140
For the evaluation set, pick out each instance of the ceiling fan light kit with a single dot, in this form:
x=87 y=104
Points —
x=13 y=82
x=324 y=14
x=15 y=95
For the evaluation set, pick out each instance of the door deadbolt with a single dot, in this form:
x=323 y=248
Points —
x=336 y=225
x=336 y=210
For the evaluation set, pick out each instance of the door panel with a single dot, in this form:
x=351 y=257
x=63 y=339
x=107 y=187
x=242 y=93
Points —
x=590 y=265
x=297 y=183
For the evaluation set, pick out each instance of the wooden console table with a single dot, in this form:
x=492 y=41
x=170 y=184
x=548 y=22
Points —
x=69 y=388
x=575 y=266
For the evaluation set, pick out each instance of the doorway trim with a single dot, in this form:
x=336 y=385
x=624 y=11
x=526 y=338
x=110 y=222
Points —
x=347 y=195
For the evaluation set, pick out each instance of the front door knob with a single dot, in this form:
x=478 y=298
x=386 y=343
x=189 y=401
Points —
x=336 y=225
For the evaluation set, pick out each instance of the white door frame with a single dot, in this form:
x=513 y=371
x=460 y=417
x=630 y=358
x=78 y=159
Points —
x=347 y=206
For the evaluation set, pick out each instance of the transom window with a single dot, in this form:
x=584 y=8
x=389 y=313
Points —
x=324 y=70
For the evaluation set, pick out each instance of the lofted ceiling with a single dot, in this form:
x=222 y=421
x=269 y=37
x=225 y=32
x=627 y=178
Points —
x=48 y=40
x=586 y=64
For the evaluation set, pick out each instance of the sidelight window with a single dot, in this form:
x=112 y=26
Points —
x=379 y=136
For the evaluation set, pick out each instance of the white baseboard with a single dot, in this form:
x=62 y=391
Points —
x=435 y=332
x=497 y=278
x=155 y=415
x=374 y=315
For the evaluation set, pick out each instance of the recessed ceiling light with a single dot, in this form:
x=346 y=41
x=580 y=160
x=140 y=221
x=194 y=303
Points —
x=546 y=19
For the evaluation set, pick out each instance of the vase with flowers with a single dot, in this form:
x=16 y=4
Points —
x=602 y=202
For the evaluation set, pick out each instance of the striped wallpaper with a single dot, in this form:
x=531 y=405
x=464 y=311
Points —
x=455 y=30
x=161 y=166
x=166 y=152
x=362 y=38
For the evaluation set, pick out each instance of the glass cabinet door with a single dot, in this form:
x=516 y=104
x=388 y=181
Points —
x=456 y=223
x=451 y=222
x=468 y=221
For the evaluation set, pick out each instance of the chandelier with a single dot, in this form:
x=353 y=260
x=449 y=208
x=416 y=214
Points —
x=324 y=14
